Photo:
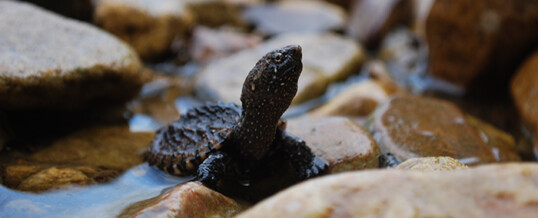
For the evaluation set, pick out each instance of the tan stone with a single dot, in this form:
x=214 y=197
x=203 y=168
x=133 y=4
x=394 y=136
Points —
x=338 y=140
x=524 y=89
x=498 y=190
x=411 y=126
x=186 y=200
x=326 y=58
x=112 y=147
x=15 y=174
x=478 y=44
x=54 y=177
x=48 y=61
x=148 y=25
x=502 y=144
x=427 y=164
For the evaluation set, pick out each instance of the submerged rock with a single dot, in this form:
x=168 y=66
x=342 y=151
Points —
x=524 y=89
x=148 y=25
x=47 y=61
x=409 y=126
x=488 y=191
x=427 y=164
x=296 y=16
x=478 y=44
x=54 y=177
x=186 y=200
x=326 y=58
x=338 y=140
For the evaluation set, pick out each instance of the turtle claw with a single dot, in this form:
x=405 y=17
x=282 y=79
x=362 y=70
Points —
x=318 y=167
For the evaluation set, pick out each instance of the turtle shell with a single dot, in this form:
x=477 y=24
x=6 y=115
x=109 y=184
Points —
x=182 y=146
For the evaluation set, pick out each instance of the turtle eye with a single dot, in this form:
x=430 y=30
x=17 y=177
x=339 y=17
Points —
x=277 y=57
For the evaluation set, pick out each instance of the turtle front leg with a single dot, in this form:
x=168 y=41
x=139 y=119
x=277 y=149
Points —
x=214 y=169
x=305 y=163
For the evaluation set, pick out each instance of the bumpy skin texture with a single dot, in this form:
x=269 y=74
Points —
x=221 y=141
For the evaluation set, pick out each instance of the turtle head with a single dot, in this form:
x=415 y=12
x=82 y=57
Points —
x=272 y=83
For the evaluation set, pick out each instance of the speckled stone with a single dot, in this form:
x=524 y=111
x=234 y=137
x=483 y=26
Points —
x=498 y=190
x=47 y=61
x=427 y=164
x=340 y=141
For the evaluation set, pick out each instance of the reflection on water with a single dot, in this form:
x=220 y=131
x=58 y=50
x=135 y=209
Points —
x=105 y=200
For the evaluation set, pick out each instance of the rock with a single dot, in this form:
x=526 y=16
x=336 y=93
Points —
x=410 y=126
x=111 y=147
x=209 y=44
x=338 y=140
x=47 y=61
x=326 y=58
x=371 y=20
x=148 y=25
x=478 y=44
x=488 y=191
x=54 y=178
x=214 y=13
x=421 y=10
x=524 y=89
x=502 y=144
x=78 y=9
x=357 y=100
x=427 y=164
x=15 y=174
x=296 y=16
x=186 y=200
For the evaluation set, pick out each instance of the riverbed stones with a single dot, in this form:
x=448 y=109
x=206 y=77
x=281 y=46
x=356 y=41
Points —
x=54 y=177
x=147 y=25
x=296 y=16
x=427 y=164
x=340 y=141
x=186 y=200
x=411 y=126
x=497 y=190
x=326 y=58
x=479 y=44
x=524 y=89
x=47 y=61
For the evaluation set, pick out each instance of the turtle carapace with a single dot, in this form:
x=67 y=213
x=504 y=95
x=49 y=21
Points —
x=221 y=140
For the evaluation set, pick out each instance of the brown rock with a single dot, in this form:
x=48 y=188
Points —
x=54 y=178
x=488 y=191
x=214 y=13
x=48 y=61
x=327 y=58
x=148 y=25
x=427 y=164
x=186 y=200
x=338 y=140
x=371 y=20
x=112 y=147
x=15 y=174
x=409 y=126
x=524 y=90
x=502 y=144
x=296 y=16
x=480 y=43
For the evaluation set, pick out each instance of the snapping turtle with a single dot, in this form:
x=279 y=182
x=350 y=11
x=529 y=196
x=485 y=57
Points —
x=219 y=140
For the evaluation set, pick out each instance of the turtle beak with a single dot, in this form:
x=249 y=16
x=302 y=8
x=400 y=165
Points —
x=295 y=51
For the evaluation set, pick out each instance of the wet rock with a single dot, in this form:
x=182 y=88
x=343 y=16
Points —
x=338 y=140
x=478 y=44
x=326 y=58
x=524 y=89
x=488 y=191
x=421 y=10
x=502 y=144
x=110 y=147
x=149 y=26
x=209 y=44
x=187 y=200
x=296 y=16
x=54 y=177
x=371 y=20
x=357 y=100
x=15 y=174
x=78 y=9
x=214 y=13
x=47 y=61
x=427 y=164
x=410 y=126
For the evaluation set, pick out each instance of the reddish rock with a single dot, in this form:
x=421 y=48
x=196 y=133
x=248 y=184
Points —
x=214 y=13
x=478 y=44
x=524 y=90
x=502 y=144
x=186 y=200
x=54 y=177
x=500 y=190
x=409 y=126
x=338 y=140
